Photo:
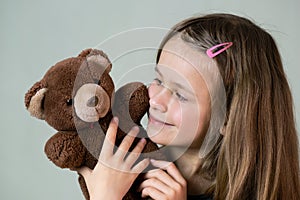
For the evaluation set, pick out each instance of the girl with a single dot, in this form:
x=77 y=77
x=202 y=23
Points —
x=221 y=103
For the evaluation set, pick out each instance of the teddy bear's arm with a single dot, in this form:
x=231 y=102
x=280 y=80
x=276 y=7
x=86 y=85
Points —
x=65 y=149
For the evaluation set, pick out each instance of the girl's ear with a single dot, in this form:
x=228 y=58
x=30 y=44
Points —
x=34 y=100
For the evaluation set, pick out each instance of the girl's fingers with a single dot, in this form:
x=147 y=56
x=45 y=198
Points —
x=84 y=171
x=157 y=184
x=140 y=146
x=164 y=183
x=153 y=193
x=127 y=142
x=171 y=170
x=136 y=152
x=161 y=175
x=110 y=138
x=139 y=167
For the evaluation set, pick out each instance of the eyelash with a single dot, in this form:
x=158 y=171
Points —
x=178 y=95
x=157 y=81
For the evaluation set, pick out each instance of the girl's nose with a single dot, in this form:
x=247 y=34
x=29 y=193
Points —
x=159 y=100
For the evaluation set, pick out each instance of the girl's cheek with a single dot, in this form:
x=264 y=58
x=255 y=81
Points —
x=177 y=115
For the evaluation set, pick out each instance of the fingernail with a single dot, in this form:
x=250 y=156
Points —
x=115 y=120
x=148 y=161
x=143 y=140
x=136 y=128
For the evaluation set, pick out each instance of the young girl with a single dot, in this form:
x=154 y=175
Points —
x=221 y=103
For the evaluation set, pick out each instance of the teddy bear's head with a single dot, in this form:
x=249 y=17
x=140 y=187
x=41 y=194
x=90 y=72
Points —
x=74 y=92
x=79 y=92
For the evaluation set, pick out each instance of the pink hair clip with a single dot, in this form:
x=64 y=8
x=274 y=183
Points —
x=211 y=53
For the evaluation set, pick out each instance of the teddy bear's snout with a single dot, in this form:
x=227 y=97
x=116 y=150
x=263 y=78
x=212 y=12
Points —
x=91 y=102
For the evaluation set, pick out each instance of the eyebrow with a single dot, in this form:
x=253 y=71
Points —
x=180 y=86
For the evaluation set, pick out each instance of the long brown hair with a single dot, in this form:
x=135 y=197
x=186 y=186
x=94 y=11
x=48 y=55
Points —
x=258 y=156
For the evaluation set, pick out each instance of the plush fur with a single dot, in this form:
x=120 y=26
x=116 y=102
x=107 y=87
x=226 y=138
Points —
x=83 y=85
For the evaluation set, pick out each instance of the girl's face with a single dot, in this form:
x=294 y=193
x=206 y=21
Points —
x=179 y=111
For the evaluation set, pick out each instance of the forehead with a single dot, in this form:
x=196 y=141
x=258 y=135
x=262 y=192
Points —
x=177 y=66
x=181 y=74
x=191 y=59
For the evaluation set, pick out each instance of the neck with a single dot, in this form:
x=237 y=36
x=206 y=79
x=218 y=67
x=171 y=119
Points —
x=189 y=164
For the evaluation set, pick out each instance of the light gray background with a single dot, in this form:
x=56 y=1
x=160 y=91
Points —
x=36 y=34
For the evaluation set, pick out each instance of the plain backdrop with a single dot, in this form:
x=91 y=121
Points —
x=35 y=34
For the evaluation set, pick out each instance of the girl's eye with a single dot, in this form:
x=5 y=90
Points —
x=157 y=81
x=180 y=97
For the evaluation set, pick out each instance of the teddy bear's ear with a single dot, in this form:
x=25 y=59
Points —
x=34 y=100
x=98 y=61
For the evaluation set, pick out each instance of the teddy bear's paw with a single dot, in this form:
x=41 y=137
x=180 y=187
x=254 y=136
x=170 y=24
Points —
x=65 y=150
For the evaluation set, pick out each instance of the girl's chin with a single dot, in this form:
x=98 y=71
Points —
x=160 y=136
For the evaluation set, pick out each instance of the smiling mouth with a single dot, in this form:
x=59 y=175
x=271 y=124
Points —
x=154 y=120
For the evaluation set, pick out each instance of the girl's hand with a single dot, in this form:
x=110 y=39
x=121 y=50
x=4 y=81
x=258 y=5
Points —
x=164 y=183
x=115 y=172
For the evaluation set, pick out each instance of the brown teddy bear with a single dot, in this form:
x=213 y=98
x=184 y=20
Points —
x=76 y=97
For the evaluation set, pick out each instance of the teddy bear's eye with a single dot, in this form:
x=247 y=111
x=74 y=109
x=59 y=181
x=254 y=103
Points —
x=69 y=102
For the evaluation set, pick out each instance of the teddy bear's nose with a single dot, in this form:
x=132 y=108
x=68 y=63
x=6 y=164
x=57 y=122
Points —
x=93 y=101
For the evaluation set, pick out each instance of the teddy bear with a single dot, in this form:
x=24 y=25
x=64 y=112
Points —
x=77 y=97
